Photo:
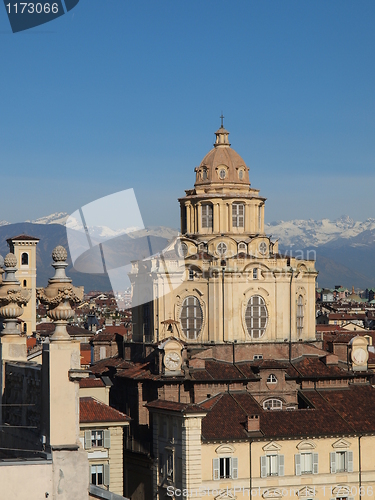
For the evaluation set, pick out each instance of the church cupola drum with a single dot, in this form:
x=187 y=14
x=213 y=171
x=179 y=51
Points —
x=236 y=286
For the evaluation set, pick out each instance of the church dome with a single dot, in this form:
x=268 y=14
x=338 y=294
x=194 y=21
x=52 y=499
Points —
x=222 y=165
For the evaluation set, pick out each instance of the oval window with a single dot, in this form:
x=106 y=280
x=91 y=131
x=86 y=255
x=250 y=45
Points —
x=191 y=317
x=256 y=317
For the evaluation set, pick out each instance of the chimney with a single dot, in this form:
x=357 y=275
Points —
x=331 y=359
x=253 y=423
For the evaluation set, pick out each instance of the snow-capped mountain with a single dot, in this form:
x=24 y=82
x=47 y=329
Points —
x=311 y=233
x=56 y=218
x=4 y=223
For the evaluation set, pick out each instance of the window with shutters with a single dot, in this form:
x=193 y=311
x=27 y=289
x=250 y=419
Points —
x=306 y=463
x=100 y=474
x=300 y=315
x=238 y=215
x=225 y=468
x=97 y=475
x=97 y=439
x=256 y=316
x=207 y=215
x=341 y=461
x=191 y=317
x=272 y=465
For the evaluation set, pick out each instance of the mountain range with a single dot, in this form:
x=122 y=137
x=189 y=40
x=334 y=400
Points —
x=344 y=248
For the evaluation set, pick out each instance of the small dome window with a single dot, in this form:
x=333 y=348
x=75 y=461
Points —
x=222 y=173
x=204 y=174
x=240 y=175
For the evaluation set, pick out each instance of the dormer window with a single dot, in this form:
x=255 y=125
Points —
x=204 y=174
x=222 y=173
x=242 y=247
x=240 y=175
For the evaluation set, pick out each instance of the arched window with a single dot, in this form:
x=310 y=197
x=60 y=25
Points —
x=191 y=317
x=204 y=174
x=238 y=214
x=300 y=315
x=256 y=316
x=25 y=259
x=25 y=283
x=207 y=215
x=240 y=175
x=273 y=404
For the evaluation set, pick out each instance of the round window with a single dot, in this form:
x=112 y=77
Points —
x=222 y=248
x=262 y=248
x=256 y=317
x=222 y=173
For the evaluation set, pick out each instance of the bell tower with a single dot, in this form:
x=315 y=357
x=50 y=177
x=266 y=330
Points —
x=24 y=248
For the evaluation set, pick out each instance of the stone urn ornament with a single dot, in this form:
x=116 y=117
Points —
x=12 y=297
x=60 y=295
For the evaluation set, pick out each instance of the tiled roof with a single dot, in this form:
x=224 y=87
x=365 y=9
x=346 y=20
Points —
x=312 y=368
x=91 y=382
x=92 y=410
x=331 y=412
x=120 y=330
x=160 y=404
x=104 y=365
x=23 y=237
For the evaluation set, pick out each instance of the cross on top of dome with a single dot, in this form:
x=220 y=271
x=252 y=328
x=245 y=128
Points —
x=222 y=135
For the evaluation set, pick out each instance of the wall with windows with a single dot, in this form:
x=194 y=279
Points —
x=104 y=445
x=291 y=464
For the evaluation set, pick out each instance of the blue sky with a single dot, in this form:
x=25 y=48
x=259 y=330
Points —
x=119 y=94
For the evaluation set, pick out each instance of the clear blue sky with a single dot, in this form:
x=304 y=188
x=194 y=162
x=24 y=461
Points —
x=119 y=94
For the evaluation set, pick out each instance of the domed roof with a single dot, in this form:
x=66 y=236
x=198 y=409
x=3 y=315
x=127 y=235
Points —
x=222 y=165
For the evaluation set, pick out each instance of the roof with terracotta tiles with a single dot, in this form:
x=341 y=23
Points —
x=161 y=405
x=313 y=368
x=91 y=382
x=329 y=412
x=104 y=365
x=92 y=411
x=23 y=237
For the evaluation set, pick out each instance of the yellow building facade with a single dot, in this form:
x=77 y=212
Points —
x=228 y=282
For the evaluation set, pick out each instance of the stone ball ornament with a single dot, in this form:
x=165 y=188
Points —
x=59 y=254
x=10 y=260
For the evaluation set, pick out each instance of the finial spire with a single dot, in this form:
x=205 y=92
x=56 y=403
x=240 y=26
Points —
x=222 y=120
